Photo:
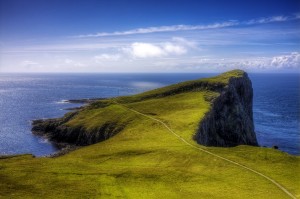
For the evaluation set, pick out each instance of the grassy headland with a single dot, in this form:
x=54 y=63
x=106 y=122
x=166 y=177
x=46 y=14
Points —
x=144 y=160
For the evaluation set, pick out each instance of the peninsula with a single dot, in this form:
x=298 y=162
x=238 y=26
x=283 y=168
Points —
x=193 y=139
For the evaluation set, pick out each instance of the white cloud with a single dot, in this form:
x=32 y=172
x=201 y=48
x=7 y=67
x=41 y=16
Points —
x=149 y=50
x=170 y=48
x=270 y=20
x=145 y=50
x=182 y=27
x=185 y=42
x=161 y=29
x=287 y=61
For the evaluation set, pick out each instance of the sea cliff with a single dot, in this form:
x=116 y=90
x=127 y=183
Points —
x=230 y=120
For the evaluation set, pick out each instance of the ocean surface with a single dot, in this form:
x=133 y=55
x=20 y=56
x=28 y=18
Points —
x=25 y=97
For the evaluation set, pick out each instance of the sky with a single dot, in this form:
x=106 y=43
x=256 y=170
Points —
x=166 y=36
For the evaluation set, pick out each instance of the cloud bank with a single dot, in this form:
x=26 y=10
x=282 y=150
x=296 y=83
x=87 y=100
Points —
x=289 y=61
x=286 y=61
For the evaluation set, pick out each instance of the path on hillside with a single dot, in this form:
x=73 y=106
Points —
x=213 y=154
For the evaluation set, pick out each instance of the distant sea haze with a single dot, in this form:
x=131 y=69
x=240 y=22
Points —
x=24 y=97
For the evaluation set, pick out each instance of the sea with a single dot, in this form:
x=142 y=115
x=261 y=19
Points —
x=26 y=97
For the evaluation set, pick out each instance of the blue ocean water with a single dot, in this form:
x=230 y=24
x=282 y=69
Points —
x=276 y=110
x=24 y=97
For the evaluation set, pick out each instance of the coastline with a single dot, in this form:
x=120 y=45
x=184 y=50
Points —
x=64 y=148
x=238 y=99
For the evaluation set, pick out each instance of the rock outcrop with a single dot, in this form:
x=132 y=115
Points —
x=230 y=120
x=57 y=131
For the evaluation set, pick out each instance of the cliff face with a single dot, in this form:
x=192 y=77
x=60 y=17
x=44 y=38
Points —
x=230 y=120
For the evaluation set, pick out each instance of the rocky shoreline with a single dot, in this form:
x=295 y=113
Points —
x=64 y=147
x=83 y=101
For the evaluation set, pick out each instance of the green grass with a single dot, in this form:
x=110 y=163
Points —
x=146 y=161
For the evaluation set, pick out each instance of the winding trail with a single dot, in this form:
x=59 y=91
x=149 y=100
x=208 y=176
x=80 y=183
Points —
x=208 y=152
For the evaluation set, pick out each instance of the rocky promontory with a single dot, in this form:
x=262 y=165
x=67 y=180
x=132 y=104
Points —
x=230 y=120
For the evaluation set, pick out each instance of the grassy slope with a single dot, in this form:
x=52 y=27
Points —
x=147 y=161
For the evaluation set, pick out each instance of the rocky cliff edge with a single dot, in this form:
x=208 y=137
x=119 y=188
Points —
x=230 y=120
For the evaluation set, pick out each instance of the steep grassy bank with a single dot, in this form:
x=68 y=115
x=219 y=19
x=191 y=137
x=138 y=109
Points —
x=144 y=160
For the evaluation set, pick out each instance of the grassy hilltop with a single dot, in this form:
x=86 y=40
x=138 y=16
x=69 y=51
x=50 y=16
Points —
x=145 y=160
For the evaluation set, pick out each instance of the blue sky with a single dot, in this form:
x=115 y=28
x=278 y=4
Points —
x=149 y=36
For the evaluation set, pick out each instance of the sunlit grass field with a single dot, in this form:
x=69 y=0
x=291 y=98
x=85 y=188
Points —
x=145 y=160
